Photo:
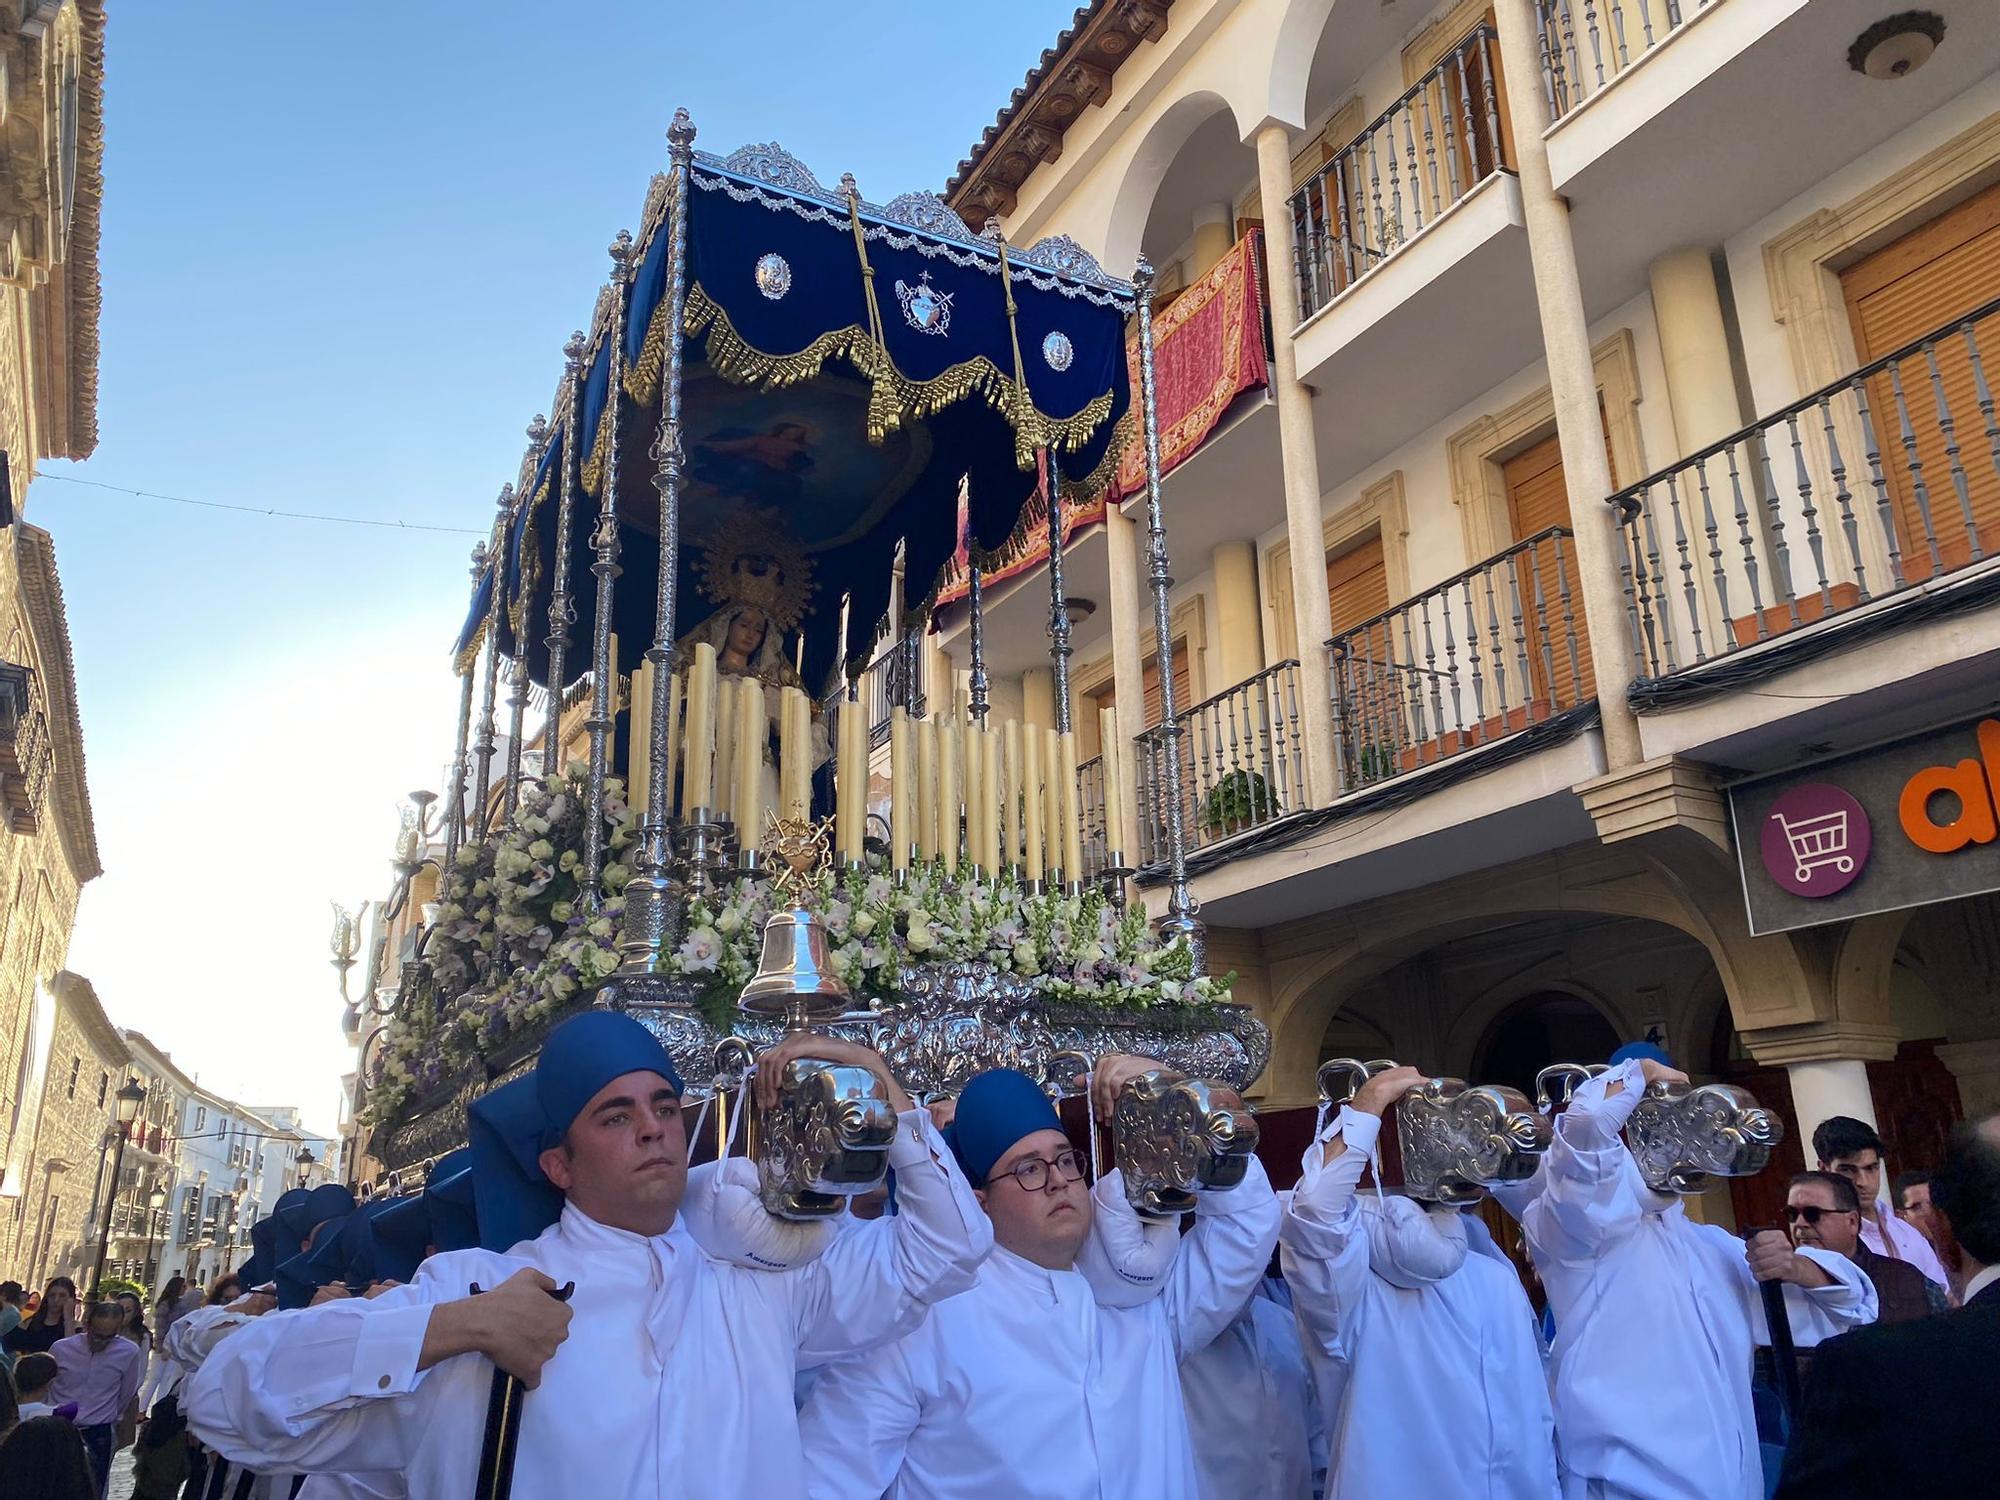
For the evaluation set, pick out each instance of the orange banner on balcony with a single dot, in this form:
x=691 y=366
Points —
x=1208 y=349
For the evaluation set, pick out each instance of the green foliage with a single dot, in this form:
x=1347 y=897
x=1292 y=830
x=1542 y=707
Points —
x=1236 y=800
x=112 y=1286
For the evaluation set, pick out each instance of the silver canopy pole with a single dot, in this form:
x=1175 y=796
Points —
x=562 y=609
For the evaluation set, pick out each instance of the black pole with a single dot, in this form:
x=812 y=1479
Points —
x=502 y=1439
x=1784 y=1353
x=110 y=1200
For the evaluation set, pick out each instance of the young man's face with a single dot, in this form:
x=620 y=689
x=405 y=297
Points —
x=1916 y=1206
x=624 y=1160
x=1863 y=1169
x=1045 y=1223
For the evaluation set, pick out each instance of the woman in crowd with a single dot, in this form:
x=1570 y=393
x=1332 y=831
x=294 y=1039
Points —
x=11 y=1317
x=56 y=1318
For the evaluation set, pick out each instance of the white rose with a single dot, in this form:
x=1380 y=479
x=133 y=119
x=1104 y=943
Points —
x=863 y=923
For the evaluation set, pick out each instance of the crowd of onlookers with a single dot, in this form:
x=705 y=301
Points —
x=84 y=1381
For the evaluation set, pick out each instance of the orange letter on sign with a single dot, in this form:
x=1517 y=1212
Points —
x=1974 y=823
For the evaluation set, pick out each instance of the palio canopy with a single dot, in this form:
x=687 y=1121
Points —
x=845 y=366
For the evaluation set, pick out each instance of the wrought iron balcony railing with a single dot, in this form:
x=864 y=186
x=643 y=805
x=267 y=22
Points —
x=1886 y=479
x=1471 y=660
x=1242 y=764
x=25 y=755
x=1588 y=43
x=1420 y=156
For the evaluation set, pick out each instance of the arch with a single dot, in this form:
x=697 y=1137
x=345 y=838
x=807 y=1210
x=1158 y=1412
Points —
x=1132 y=204
x=1292 y=58
x=1507 y=1052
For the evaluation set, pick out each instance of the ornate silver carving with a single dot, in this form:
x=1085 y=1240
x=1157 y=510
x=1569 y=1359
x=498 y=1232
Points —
x=1459 y=1139
x=827 y=1140
x=928 y=212
x=1682 y=1134
x=1064 y=256
x=1176 y=1136
x=562 y=611
x=1058 y=350
x=489 y=729
x=925 y=308
x=773 y=275
x=772 y=163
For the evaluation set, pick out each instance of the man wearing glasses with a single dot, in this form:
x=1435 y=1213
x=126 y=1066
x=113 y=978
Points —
x=1823 y=1210
x=1028 y=1386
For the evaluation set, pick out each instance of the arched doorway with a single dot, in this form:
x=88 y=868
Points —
x=1549 y=1026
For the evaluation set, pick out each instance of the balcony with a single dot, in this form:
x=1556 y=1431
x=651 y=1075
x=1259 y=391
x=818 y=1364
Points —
x=1875 y=496
x=1648 y=95
x=25 y=756
x=1470 y=662
x=1412 y=262
x=1242 y=765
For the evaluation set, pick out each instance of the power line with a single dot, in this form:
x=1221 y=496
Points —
x=261 y=510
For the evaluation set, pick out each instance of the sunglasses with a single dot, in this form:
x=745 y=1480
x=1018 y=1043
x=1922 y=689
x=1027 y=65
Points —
x=1812 y=1213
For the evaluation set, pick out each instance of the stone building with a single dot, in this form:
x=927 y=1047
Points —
x=51 y=151
x=1602 y=546
x=54 y=1227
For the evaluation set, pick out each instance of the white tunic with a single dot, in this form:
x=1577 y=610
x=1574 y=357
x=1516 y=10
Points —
x=1657 y=1318
x=1250 y=1408
x=1441 y=1381
x=1026 y=1388
x=676 y=1377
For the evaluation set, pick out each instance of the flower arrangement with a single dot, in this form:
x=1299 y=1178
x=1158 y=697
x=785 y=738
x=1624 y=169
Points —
x=514 y=946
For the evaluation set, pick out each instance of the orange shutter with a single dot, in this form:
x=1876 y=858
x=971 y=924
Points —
x=1538 y=498
x=1107 y=695
x=1357 y=585
x=1931 y=275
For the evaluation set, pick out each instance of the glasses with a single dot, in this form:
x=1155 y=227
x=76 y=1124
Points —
x=1812 y=1213
x=1033 y=1172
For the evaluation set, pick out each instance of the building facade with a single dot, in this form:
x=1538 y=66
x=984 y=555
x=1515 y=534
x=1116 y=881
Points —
x=1624 y=453
x=51 y=78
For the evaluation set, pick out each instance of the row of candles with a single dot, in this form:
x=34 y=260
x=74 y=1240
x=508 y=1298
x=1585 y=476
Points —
x=994 y=794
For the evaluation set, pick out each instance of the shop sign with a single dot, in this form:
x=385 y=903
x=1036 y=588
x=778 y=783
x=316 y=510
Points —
x=1895 y=826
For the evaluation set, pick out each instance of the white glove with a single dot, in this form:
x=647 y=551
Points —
x=729 y=1221
x=1125 y=1258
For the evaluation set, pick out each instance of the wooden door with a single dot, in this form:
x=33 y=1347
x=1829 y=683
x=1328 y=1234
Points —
x=1454 y=106
x=1937 y=272
x=1538 y=498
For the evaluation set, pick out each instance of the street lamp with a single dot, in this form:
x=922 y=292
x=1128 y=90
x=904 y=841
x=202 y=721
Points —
x=155 y=1202
x=130 y=1097
x=306 y=1161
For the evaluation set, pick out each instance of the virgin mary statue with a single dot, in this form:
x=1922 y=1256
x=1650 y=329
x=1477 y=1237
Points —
x=761 y=578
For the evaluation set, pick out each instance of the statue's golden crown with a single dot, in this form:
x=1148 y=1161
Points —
x=752 y=560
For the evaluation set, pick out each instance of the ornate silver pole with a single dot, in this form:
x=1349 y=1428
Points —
x=517 y=701
x=562 y=609
x=976 y=630
x=1059 y=649
x=604 y=541
x=654 y=906
x=1180 y=920
x=454 y=823
x=489 y=728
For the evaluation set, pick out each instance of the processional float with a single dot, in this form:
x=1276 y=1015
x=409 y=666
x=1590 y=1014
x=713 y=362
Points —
x=788 y=398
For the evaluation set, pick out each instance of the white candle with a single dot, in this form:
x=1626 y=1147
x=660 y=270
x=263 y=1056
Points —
x=794 y=752
x=673 y=739
x=950 y=763
x=850 y=775
x=989 y=797
x=751 y=734
x=639 y=739
x=927 y=784
x=1052 y=807
x=700 y=788
x=1010 y=798
x=725 y=745
x=1114 y=780
x=1031 y=802
x=1072 y=819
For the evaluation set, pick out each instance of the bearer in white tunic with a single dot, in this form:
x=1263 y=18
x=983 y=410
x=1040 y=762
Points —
x=1442 y=1389
x=1026 y=1387
x=1657 y=1317
x=1249 y=1401
x=667 y=1373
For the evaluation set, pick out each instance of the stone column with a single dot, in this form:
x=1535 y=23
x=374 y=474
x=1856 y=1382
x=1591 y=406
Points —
x=1694 y=346
x=1826 y=1087
x=1572 y=382
x=1305 y=521
x=1038 y=697
x=1213 y=235
x=1131 y=642
x=1239 y=626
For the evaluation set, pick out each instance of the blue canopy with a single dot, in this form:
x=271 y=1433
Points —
x=845 y=367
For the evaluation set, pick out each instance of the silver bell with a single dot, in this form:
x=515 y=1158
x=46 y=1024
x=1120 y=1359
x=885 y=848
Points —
x=794 y=978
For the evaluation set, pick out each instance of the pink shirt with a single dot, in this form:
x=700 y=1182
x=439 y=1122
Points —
x=1884 y=1232
x=102 y=1384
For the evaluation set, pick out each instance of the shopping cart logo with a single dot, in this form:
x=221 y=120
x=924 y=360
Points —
x=1815 y=840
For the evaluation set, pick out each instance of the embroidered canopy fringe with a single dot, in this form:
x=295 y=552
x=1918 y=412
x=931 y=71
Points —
x=531 y=558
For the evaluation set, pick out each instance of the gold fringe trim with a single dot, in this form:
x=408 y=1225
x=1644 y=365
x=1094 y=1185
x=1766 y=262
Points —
x=531 y=561
x=466 y=660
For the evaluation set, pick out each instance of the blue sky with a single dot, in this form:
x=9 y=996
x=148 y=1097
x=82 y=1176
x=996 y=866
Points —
x=343 y=246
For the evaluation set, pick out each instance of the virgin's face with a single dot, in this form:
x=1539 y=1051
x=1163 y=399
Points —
x=746 y=633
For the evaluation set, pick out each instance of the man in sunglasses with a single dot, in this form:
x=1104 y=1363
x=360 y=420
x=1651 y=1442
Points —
x=1029 y=1385
x=1823 y=1210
